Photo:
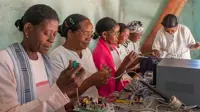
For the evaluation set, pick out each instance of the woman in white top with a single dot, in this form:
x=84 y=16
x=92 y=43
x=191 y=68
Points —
x=25 y=76
x=174 y=40
x=123 y=51
x=122 y=38
x=77 y=29
x=133 y=42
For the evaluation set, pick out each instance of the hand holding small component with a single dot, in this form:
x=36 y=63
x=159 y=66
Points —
x=101 y=77
x=70 y=78
x=156 y=53
x=130 y=58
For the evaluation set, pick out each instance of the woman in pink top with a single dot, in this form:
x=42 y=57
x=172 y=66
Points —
x=25 y=77
x=105 y=53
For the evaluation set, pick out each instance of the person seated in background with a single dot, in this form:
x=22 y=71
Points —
x=78 y=30
x=123 y=51
x=174 y=40
x=133 y=42
x=124 y=33
x=26 y=73
x=105 y=53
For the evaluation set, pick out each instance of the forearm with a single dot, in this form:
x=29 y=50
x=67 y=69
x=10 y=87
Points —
x=133 y=65
x=120 y=70
x=194 y=47
x=87 y=83
x=50 y=101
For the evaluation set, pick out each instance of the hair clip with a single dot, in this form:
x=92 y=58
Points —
x=65 y=24
x=71 y=20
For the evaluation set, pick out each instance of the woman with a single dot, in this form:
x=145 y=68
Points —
x=174 y=40
x=133 y=42
x=124 y=33
x=78 y=29
x=25 y=76
x=123 y=52
x=106 y=53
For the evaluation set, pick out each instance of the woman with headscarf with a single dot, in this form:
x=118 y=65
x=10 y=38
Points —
x=133 y=42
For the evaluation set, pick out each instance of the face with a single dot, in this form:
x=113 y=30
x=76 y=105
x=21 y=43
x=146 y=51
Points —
x=41 y=37
x=171 y=30
x=134 y=37
x=123 y=36
x=82 y=37
x=111 y=36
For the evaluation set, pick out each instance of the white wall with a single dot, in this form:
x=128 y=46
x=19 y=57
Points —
x=125 y=11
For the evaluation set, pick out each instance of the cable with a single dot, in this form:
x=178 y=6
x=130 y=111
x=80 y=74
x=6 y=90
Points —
x=77 y=95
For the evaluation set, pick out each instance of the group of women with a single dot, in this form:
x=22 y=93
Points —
x=32 y=81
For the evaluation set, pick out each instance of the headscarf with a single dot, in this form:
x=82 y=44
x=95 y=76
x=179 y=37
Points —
x=135 y=27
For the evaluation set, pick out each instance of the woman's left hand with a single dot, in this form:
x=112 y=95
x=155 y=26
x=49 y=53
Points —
x=129 y=59
x=197 y=45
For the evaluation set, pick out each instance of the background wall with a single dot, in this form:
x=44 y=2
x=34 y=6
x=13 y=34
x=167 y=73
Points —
x=190 y=16
x=125 y=11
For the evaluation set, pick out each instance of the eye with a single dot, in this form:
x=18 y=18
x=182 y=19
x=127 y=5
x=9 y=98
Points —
x=47 y=34
x=54 y=34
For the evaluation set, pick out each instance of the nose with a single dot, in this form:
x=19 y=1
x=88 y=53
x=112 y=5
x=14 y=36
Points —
x=124 y=37
x=170 y=31
x=88 y=38
x=51 y=39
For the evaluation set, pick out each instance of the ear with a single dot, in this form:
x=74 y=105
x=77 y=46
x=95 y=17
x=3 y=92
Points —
x=69 y=34
x=104 y=35
x=27 y=28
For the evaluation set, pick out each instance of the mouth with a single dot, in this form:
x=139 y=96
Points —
x=46 y=47
x=138 y=38
x=86 y=43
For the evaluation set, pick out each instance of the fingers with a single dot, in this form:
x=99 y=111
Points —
x=105 y=67
x=156 y=53
x=107 y=71
x=135 y=56
x=77 y=81
x=70 y=65
x=131 y=53
x=81 y=73
x=75 y=71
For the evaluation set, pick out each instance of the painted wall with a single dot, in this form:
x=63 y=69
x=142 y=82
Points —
x=190 y=16
x=125 y=11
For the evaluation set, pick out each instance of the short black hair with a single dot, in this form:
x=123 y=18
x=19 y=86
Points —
x=122 y=27
x=170 y=21
x=104 y=24
x=71 y=23
x=35 y=15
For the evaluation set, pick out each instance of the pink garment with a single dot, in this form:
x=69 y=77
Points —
x=102 y=56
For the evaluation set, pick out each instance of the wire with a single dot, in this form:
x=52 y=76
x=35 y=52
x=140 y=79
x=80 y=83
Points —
x=77 y=95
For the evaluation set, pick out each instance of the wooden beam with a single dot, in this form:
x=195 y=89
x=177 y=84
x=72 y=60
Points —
x=173 y=7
